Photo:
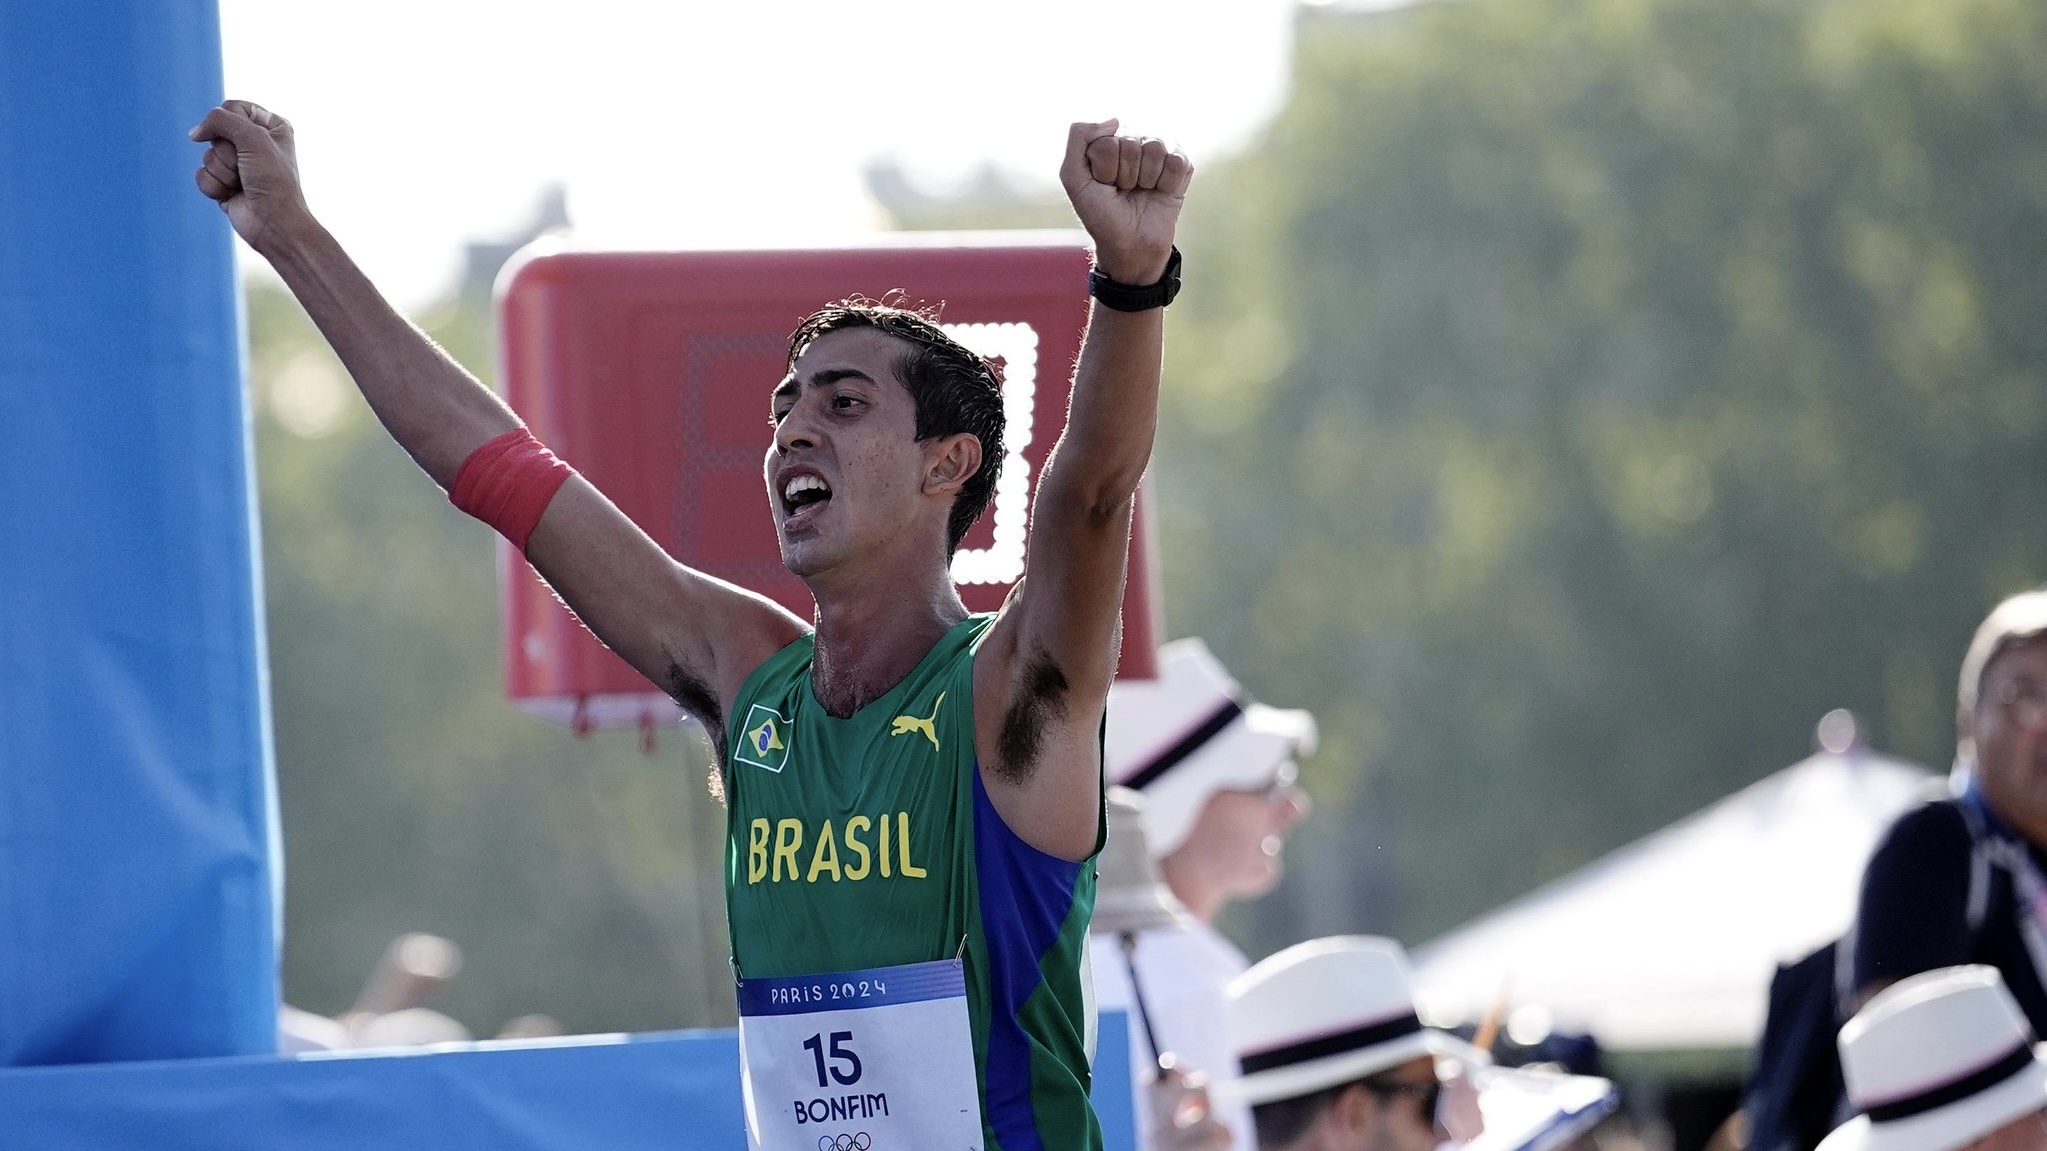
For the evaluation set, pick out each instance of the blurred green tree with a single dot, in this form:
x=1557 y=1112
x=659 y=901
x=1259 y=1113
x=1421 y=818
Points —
x=580 y=876
x=1574 y=399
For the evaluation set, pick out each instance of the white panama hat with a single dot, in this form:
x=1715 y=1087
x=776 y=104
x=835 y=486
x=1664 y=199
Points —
x=1328 y=1012
x=1937 y=1061
x=1190 y=733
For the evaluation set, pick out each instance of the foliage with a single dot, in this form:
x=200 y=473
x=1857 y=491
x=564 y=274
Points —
x=1577 y=398
x=580 y=877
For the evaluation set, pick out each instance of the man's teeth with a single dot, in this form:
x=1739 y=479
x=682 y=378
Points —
x=798 y=485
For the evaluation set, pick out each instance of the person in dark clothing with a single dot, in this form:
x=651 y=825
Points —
x=1960 y=881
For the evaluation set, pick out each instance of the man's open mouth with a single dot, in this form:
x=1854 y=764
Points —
x=804 y=491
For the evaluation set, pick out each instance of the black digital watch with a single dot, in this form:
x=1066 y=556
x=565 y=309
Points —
x=1134 y=298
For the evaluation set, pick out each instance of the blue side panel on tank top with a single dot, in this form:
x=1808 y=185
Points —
x=137 y=809
x=1035 y=891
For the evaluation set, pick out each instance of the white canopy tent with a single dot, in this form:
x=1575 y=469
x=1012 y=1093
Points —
x=1670 y=943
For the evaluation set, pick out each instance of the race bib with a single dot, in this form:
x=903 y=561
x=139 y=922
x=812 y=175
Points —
x=876 y=1060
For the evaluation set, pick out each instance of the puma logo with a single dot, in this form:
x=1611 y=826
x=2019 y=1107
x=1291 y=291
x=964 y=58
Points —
x=905 y=724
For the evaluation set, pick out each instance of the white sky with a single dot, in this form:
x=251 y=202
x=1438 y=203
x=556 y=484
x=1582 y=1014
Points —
x=426 y=123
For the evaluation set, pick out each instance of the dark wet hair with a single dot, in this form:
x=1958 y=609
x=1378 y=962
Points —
x=952 y=388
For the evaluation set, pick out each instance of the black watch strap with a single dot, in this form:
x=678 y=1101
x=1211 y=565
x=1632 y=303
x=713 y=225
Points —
x=1133 y=298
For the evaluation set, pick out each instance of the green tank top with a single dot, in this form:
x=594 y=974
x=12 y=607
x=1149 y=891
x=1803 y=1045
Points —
x=869 y=842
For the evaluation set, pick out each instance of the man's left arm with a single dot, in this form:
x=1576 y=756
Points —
x=1042 y=677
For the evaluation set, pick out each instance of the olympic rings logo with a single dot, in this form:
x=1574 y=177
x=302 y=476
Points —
x=857 y=1141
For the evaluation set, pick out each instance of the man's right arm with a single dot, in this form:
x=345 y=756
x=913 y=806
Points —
x=695 y=637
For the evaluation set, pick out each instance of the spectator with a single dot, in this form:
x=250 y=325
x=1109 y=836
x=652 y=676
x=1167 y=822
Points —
x=1959 y=881
x=1941 y=1062
x=1174 y=1111
x=1333 y=1056
x=1217 y=775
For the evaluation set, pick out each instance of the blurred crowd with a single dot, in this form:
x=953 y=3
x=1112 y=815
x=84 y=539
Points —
x=391 y=1010
x=1317 y=1046
x=1914 y=1032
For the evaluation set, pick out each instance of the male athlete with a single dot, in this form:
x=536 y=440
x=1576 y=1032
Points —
x=914 y=793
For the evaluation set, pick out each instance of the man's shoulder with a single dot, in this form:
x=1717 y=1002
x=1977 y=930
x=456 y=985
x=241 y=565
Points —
x=958 y=650
x=1931 y=831
x=1924 y=864
x=1193 y=949
x=765 y=691
x=790 y=661
x=1219 y=950
x=977 y=628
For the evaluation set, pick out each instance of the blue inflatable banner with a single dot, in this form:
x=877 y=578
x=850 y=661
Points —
x=672 y=1091
x=137 y=828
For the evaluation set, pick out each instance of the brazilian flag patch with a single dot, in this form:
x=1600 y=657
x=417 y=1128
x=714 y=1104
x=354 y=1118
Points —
x=764 y=742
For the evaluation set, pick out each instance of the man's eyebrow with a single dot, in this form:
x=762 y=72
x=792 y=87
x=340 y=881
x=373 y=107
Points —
x=825 y=377
x=822 y=378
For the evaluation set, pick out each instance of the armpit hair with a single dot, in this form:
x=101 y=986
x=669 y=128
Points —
x=1040 y=699
x=694 y=695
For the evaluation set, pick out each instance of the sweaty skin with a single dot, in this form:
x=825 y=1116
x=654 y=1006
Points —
x=875 y=556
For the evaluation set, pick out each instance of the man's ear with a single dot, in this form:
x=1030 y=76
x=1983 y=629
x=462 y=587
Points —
x=950 y=461
x=1351 y=1112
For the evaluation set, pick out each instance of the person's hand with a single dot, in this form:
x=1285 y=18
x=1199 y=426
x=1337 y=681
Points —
x=1182 y=1119
x=251 y=169
x=1459 y=1114
x=1127 y=191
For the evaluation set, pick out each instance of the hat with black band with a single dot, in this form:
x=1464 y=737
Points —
x=1328 y=1012
x=1190 y=733
x=1936 y=1062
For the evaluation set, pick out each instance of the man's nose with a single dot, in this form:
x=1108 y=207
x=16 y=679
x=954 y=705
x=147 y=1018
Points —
x=796 y=429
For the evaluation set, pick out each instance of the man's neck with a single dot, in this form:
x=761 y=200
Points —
x=1192 y=885
x=867 y=644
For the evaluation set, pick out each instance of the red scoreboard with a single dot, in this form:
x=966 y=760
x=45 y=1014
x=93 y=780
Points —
x=651 y=373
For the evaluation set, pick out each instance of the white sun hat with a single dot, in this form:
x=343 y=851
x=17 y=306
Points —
x=1327 y=1012
x=1190 y=733
x=1937 y=1061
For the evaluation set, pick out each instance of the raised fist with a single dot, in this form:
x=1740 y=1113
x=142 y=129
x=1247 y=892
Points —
x=250 y=167
x=1127 y=191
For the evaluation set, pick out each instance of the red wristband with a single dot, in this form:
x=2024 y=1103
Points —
x=508 y=482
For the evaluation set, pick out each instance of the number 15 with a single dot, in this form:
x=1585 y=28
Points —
x=841 y=1055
